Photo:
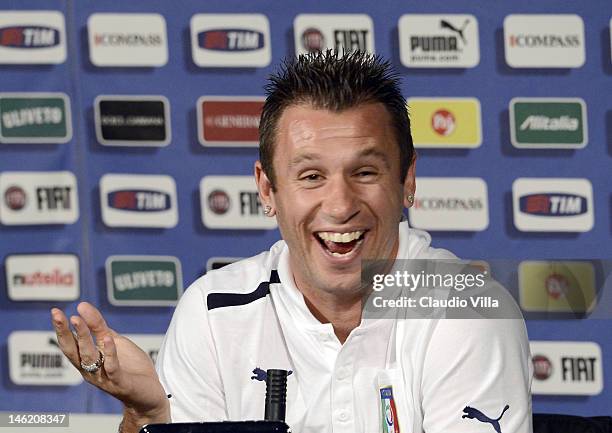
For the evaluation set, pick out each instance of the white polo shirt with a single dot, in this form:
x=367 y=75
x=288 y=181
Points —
x=445 y=375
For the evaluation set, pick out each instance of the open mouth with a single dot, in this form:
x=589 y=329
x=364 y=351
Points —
x=340 y=244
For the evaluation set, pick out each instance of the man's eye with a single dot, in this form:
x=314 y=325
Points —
x=311 y=177
x=366 y=173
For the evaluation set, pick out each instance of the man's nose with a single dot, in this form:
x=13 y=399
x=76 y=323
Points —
x=341 y=201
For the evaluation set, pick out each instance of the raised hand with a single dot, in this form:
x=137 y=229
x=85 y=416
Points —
x=126 y=372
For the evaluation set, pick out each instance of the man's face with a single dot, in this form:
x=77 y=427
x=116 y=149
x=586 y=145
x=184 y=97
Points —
x=338 y=195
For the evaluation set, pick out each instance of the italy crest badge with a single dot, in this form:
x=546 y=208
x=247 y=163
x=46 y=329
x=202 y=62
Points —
x=389 y=420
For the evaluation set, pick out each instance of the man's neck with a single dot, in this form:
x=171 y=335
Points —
x=343 y=314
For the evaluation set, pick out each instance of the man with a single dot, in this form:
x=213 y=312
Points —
x=336 y=169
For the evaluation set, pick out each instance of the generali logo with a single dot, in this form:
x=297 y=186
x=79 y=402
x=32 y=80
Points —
x=127 y=40
x=130 y=200
x=445 y=122
x=42 y=277
x=38 y=197
x=567 y=368
x=544 y=41
x=439 y=41
x=229 y=121
x=36 y=359
x=553 y=204
x=340 y=32
x=450 y=203
x=232 y=202
x=32 y=37
x=232 y=40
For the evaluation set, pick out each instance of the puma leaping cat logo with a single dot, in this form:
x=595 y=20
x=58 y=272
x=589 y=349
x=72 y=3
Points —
x=472 y=412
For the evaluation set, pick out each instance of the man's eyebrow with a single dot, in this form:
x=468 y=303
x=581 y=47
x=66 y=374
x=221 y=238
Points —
x=304 y=157
x=376 y=153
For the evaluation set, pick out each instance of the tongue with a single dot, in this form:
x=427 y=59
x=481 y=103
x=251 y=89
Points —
x=340 y=248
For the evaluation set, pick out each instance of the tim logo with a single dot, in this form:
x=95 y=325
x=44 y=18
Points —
x=553 y=204
x=231 y=40
x=29 y=37
x=139 y=200
x=472 y=412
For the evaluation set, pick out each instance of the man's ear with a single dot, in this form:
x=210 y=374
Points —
x=264 y=186
x=410 y=183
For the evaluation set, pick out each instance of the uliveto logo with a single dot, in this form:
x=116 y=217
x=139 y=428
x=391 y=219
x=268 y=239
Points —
x=127 y=39
x=130 y=200
x=38 y=197
x=238 y=40
x=544 y=41
x=450 y=203
x=30 y=37
x=439 y=41
x=35 y=118
x=556 y=205
x=232 y=202
x=229 y=121
x=144 y=280
x=567 y=368
x=42 y=277
x=340 y=32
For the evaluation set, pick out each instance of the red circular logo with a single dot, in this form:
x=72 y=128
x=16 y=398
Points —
x=542 y=367
x=218 y=202
x=556 y=285
x=313 y=40
x=443 y=122
x=15 y=198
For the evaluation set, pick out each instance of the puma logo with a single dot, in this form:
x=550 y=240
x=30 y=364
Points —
x=446 y=25
x=472 y=412
x=261 y=375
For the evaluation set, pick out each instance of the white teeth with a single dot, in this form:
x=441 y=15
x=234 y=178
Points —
x=340 y=237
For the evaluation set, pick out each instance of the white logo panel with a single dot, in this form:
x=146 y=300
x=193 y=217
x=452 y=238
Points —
x=566 y=368
x=544 y=41
x=130 y=200
x=36 y=359
x=38 y=197
x=450 y=203
x=42 y=277
x=127 y=39
x=232 y=202
x=439 y=41
x=340 y=32
x=553 y=205
x=234 y=40
x=32 y=37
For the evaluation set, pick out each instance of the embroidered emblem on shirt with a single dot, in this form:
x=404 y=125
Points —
x=472 y=412
x=261 y=375
x=389 y=420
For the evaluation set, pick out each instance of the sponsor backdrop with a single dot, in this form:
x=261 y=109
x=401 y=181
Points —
x=128 y=132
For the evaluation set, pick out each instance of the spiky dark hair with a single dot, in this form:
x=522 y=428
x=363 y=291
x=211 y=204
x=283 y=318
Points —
x=332 y=81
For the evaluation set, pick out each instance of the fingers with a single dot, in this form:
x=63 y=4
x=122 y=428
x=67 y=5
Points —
x=111 y=362
x=65 y=338
x=88 y=352
x=94 y=320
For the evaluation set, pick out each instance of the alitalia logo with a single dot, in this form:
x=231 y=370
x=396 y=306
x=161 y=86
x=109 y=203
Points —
x=143 y=280
x=548 y=123
x=545 y=123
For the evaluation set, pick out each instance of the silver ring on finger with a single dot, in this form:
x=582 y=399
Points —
x=92 y=368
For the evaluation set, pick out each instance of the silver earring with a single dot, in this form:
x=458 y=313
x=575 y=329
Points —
x=267 y=210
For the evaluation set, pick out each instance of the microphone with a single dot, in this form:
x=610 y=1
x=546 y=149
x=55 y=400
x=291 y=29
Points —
x=276 y=395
